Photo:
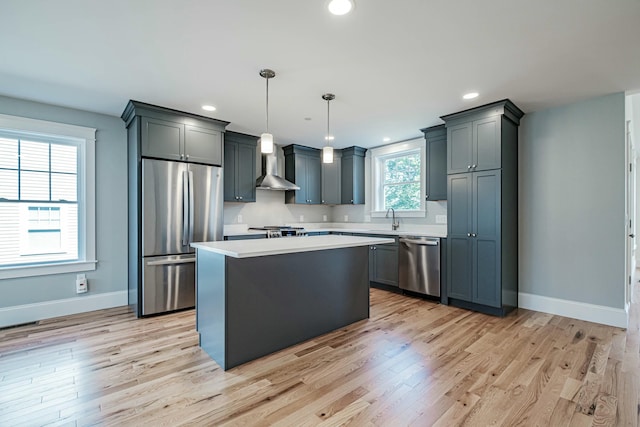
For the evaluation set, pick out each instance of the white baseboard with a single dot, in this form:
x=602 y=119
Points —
x=576 y=310
x=26 y=313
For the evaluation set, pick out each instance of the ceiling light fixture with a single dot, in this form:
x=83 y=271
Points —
x=341 y=7
x=470 y=95
x=208 y=108
x=386 y=139
x=327 y=150
x=266 y=139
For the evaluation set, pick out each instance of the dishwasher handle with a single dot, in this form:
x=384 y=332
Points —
x=419 y=242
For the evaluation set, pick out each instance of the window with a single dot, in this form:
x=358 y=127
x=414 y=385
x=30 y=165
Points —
x=47 y=201
x=398 y=178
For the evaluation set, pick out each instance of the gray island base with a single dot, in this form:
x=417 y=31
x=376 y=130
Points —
x=250 y=303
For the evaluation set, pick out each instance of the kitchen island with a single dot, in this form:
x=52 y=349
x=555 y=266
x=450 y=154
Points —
x=259 y=296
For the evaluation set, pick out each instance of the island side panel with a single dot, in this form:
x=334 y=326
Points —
x=274 y=302
x=210 y=304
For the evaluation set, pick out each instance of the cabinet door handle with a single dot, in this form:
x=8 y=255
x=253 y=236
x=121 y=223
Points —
x=351 y=201
x=187 y=156
x=182 y=156
x=468 y=167
x=240 y=197
x=473 y=166
x=468 y=234
x=236 y=197
x=426 y=197
x=473 y=234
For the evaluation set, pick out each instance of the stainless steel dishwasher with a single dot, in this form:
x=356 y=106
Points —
x=419 y=265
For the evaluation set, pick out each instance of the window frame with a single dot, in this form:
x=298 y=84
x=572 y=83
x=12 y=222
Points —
x=85 y=137
x=378 y=157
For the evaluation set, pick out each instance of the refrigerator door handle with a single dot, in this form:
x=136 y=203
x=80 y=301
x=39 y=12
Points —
x=171 y=261
x=185 y=209
x=192 y=207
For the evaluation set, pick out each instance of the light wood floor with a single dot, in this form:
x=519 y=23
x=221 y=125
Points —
x=413 y=363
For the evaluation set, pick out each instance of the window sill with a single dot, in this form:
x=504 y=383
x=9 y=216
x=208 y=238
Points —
x=399 y=214
x=46 y=269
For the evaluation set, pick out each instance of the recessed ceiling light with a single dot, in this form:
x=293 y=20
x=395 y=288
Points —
x=341 y=7
x=386 y=139
x=208 y=108
x=470 y=95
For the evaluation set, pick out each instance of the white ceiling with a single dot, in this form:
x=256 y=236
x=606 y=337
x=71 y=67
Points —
x=394 y=65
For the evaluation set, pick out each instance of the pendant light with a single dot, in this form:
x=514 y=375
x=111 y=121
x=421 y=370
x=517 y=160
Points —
x=327 y=150
x=266 y=139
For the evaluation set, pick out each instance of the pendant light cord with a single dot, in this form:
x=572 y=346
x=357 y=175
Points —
x=328 y=134
x=267 y=104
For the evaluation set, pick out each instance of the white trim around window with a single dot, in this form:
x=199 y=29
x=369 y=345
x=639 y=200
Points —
x=86 y=194
x=378 y=156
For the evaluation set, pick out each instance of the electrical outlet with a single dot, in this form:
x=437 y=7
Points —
x=324 y=218
x=82 y=284
x=239 y=219
x=301 y=218
x=441 y=219
x=346 y=218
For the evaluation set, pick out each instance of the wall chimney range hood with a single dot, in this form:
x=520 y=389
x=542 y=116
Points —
x=269 y=180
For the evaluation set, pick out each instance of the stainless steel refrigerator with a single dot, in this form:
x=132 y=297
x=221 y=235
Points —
x=181 y=203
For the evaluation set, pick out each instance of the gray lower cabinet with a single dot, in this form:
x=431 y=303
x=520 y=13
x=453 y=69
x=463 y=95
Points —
x=175 y=135
x=482 y=207
x=352 y=175
x=383 y=262
x=474 y=237
x=436 y=167
x=302 y=167
x=331 y=180
x=239 y=167
x=246 y=237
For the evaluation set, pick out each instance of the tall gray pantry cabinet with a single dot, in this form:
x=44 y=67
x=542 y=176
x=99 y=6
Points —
x=172 y=208
x=482 y=207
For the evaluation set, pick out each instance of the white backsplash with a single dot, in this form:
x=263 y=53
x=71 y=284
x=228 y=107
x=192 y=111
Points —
x=270 y=209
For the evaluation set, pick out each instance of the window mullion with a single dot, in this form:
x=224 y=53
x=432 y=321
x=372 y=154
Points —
x=50 y=179
x=19 y=169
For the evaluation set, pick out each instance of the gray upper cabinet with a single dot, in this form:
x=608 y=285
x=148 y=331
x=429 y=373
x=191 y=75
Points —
x=239 y=167
x=162 y=139
x=302 y=167
x=474 y=137
x=482 y=207
x=331 y=180
x=202 y=145
x=353 y=176
x=474 y=146
x=176 y=135
x=436 y=168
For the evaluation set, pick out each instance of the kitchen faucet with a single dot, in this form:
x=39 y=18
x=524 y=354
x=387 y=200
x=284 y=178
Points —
x=394 y=224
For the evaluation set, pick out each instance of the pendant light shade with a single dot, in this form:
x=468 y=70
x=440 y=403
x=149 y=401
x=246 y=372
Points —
x=266 y=139
x=327 y=154
x=266 y=143
x=327 y=150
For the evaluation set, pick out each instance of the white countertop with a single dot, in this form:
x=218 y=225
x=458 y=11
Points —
x=430 y=231
x=286 y=245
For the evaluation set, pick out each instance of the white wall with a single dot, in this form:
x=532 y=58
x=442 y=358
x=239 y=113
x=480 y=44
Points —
x=572 y=202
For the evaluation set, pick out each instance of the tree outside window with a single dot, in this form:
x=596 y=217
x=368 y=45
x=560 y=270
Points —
x=402 y=182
